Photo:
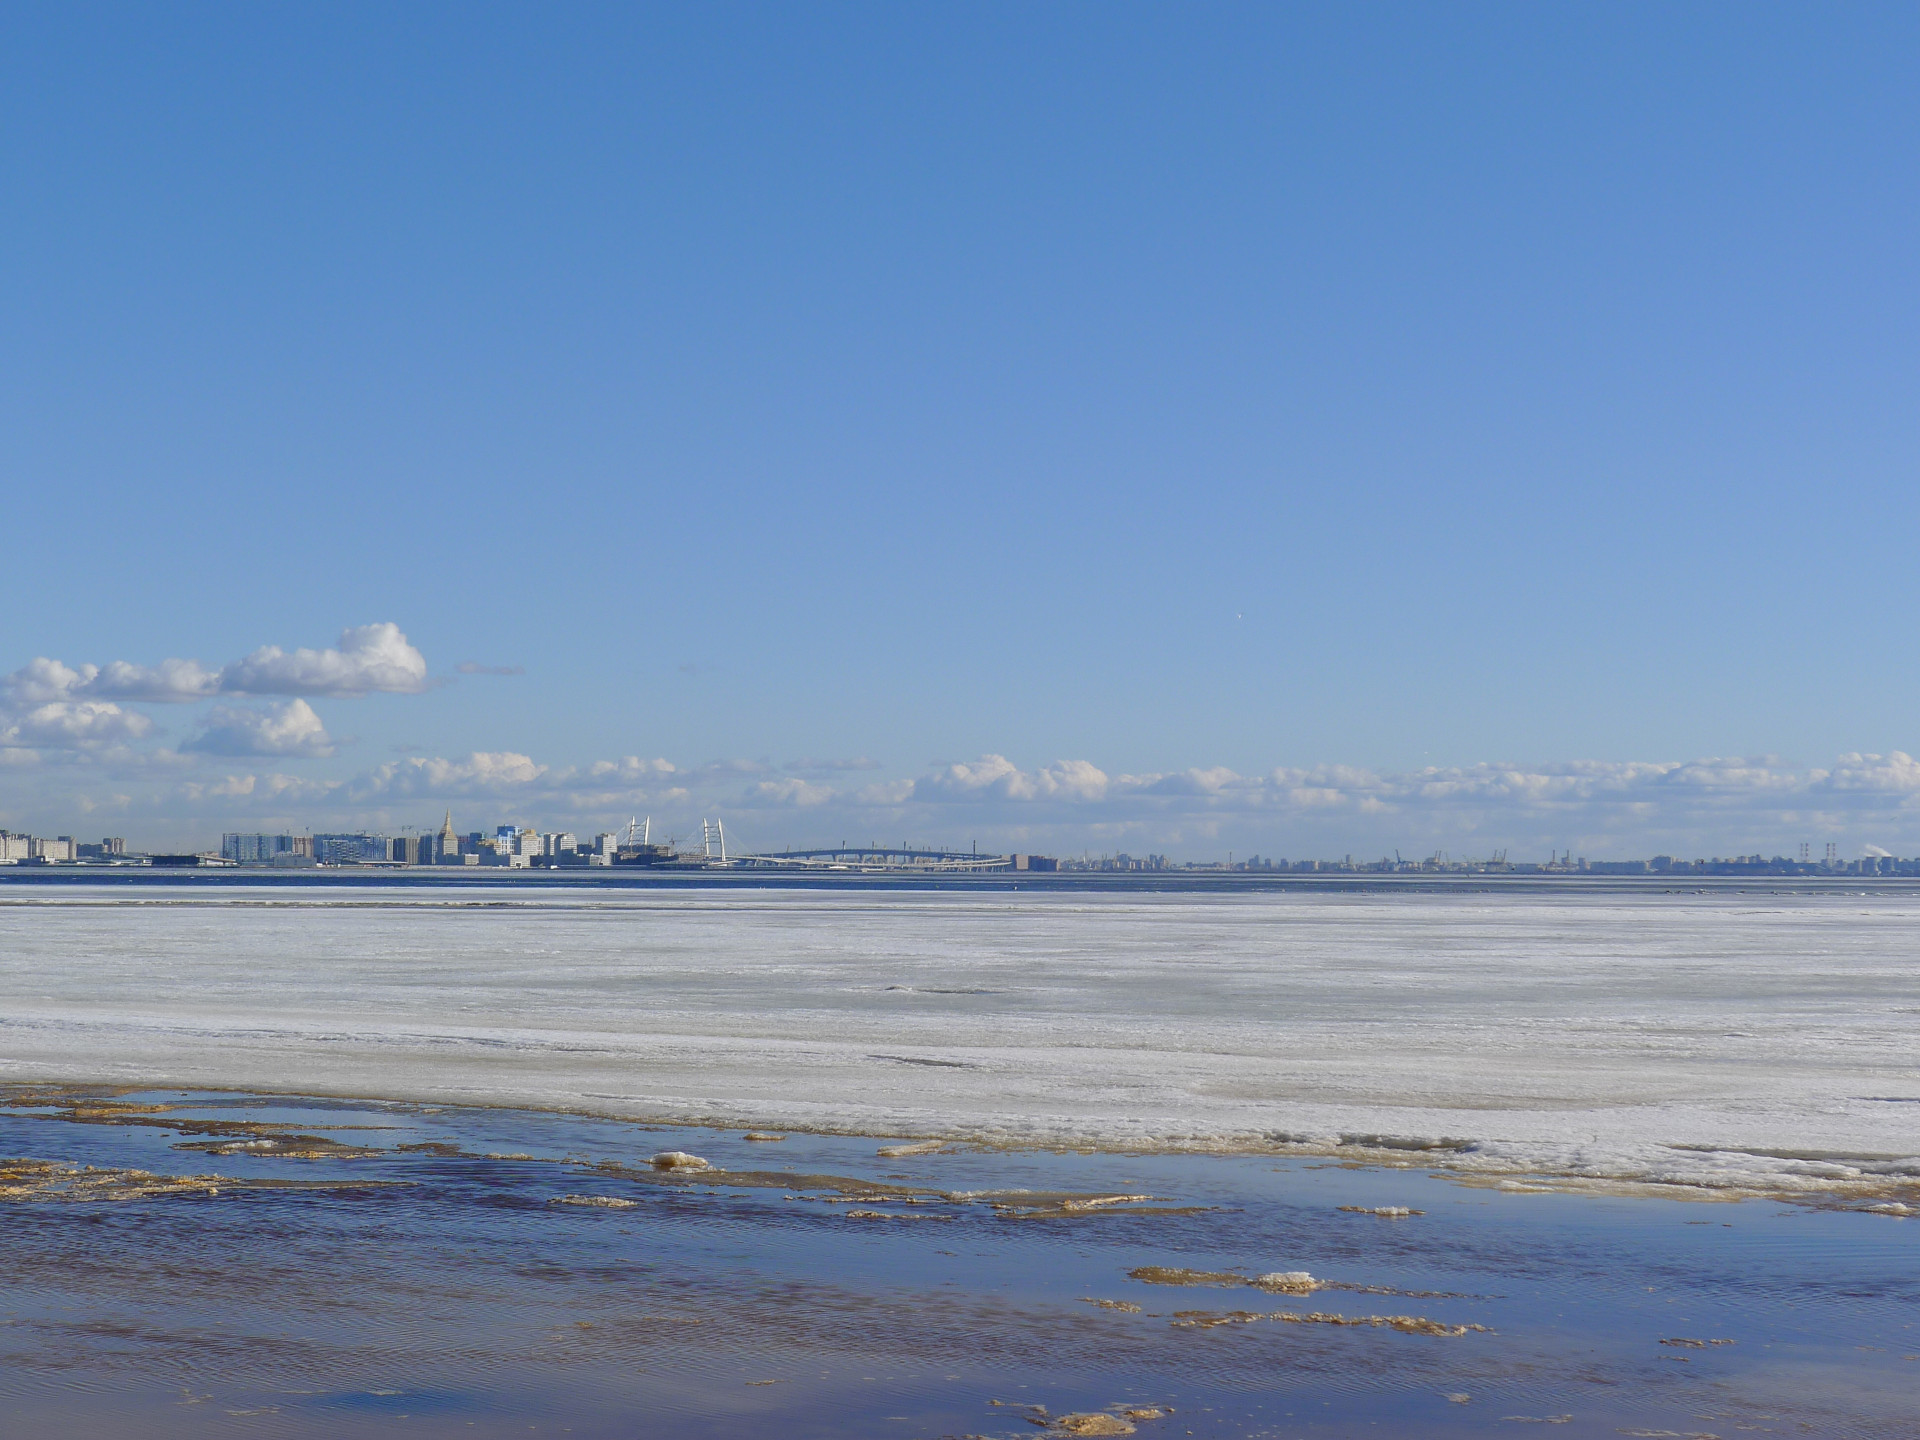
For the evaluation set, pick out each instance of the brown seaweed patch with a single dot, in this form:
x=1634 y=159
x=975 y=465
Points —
x=1030 y=1205
x=223 y=1137
x=1288 y=1282
x=1682 y=1342
x=1116 y=1419
x=48 y=1180
x=885 y=1215
x=1068 y=1212
x=771 y=1180
x=764 y=1138
x=1405 y=1324
x=21 y=1095
x=30 y=1180
x=922 y=1147
x=37 y=1095
x=604 y=1202
x=847 y=1190
x=1092 y=1422
x=1213 y=1319
x=1125 y=1307
x=844 y=1190
x=286 y=1147
x=1172 y=1275
x=1280 y=1282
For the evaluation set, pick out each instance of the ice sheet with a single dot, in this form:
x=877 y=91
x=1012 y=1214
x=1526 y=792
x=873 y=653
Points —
x=1742 y=1041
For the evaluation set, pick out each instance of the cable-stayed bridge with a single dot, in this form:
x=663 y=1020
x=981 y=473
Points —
x=880 y=857
x=716 y=852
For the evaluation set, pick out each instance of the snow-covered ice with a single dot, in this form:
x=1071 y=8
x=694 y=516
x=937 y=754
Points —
x=1768 y=1041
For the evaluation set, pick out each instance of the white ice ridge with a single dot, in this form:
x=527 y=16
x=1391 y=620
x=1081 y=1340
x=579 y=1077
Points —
x=1724 y=1041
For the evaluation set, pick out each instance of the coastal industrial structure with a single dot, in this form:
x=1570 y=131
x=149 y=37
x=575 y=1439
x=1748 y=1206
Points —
x=56 y=850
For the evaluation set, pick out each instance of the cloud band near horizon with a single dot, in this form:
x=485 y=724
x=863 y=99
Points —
x=1602 y=808
x=70 y=749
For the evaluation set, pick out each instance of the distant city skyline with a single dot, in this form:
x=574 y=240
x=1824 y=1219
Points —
x=184 y=748
x=477 y=853
x=1078 y=428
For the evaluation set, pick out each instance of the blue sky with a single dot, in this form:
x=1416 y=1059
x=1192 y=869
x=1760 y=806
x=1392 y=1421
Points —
x=1173 y=392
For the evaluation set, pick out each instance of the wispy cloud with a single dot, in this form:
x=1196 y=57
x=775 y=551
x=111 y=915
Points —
x=251 y=792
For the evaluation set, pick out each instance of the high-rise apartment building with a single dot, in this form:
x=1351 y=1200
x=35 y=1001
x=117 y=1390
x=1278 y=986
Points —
x=350 y=849
x=257 y=849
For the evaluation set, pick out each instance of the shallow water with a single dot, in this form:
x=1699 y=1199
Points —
x=454 y=1297
x=1768 y=1042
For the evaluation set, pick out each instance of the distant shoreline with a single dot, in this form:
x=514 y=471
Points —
x=1082 y=881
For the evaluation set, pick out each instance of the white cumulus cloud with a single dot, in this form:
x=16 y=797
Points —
x=1895 y=771
x=74 y=724
x=169 y=682
x=482 y=773
x=42 y=681
x=369 y=658
x=998 y=778
x=289 y=729
x=790 y=791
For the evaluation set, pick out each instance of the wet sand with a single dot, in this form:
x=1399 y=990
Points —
x=177 y=1264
